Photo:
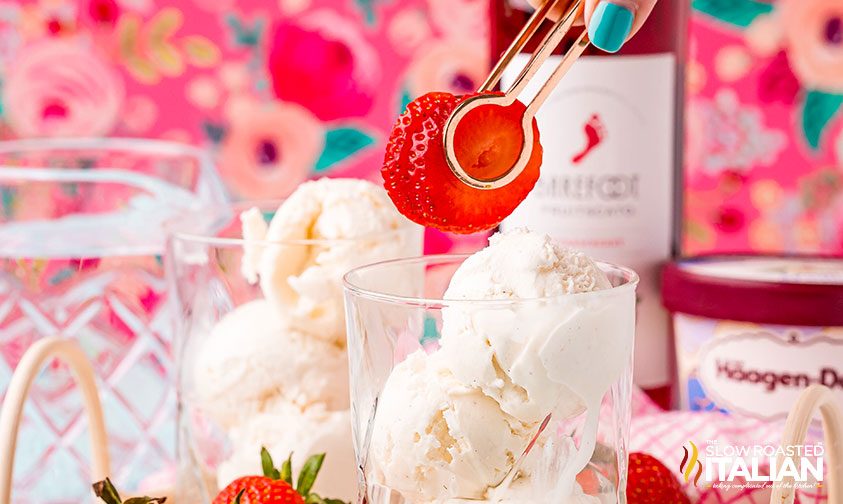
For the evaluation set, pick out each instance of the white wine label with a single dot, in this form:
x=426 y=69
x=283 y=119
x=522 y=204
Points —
x=607 y=180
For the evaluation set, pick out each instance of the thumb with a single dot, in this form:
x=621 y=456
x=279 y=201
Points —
x=611 y=23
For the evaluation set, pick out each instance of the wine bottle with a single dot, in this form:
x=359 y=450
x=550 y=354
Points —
x=610 y=180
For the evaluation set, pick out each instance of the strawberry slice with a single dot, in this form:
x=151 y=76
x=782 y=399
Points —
x=487 y=144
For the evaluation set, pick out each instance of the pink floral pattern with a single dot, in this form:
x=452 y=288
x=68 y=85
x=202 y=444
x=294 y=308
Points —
x=764 y=94
x=322 y=63
x=60 y=88
x=270 y=147
x=280 y=91
x=763 y=127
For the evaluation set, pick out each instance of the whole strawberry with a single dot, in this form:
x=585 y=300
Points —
x=276 y=487
x=650 y=482
x=107 y=493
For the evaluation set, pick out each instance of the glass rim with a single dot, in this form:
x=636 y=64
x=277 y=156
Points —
x=630 y=283
x=234 y=209
x=105 y=143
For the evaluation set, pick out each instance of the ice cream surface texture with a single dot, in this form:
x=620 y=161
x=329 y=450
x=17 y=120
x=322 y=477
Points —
x=323 y=230
x=519 y=342
x=252 y=356
x=437 y=438
x=274 y=372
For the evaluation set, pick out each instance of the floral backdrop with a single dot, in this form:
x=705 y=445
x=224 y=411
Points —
x=283 y=90
x=764 y=130
x=280 y=90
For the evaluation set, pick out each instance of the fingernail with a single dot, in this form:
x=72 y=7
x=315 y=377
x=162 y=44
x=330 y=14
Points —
x=610 y=26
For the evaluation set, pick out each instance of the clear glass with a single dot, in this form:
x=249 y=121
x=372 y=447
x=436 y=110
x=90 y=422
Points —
x=489 y=400
x=265 y=370
x=81 y=239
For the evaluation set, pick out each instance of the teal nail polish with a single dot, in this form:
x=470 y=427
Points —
x=610 y=26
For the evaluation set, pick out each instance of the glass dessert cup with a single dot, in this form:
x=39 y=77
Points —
x=81 y=236
x=512 y=400
x=253 y=374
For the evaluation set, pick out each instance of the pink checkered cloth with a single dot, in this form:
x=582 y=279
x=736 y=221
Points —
x=662 y=434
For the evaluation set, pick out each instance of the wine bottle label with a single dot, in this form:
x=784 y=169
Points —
x=607 y=177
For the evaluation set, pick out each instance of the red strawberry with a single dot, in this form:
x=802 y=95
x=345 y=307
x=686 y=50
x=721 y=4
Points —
x=487 y=143
x=650 y=482
x=276 y=487
x=258 y=489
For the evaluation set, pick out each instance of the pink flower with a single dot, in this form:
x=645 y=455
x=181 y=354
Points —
x=456 y=66
x=461 y=18
x=324 y=64
x=813 y=30
x=104 y=11
x=58 y=88
x=270 y=148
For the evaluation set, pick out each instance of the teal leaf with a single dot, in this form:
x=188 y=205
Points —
x=368 y=8
x=406 y=98
x=7 y=198
x=431 y=332
x=245 y=36
x=735 y=12
x=340 y=144
x=214 y=132
x=817 y=111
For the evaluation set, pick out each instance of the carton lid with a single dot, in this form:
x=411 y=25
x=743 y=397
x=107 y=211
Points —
x=763 y=289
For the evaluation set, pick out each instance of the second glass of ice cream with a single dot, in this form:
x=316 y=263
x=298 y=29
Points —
x=262 y=332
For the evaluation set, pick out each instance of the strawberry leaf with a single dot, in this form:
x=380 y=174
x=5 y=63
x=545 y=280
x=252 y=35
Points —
x=287 y=470
x=316 y=499
x=239 y=496
x=105 y=490
x=268 y=466
x=308 y=473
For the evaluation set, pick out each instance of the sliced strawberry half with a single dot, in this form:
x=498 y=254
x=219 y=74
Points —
x=487 y=144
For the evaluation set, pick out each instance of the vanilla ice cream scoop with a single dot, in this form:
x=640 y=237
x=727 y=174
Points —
x=284 y=429
x=434 y=438
x=521 y=264
x=513 y=348
x=324 y=229
x=252 y=356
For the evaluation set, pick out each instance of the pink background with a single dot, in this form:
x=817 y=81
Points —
x=231 y=76
x=764 y=142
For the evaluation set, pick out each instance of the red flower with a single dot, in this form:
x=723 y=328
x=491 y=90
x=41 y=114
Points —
x=326 y=67
x=729 y=220
x=777 y=83
x=104 y=11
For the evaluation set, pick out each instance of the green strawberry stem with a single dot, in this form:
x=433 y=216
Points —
x=307 y=476
x=239 y=496
x=287 y=470
x=268 y=466
x=105 y=490
x=308 y=473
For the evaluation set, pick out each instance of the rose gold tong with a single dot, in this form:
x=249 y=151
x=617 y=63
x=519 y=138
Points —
x=545 y=48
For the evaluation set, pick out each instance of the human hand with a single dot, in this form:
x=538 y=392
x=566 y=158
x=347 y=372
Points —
x=610 y=23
